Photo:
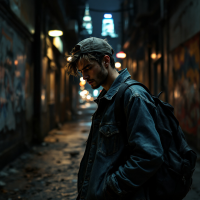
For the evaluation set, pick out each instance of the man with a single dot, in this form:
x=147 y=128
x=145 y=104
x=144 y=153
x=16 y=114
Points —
x=107 y=171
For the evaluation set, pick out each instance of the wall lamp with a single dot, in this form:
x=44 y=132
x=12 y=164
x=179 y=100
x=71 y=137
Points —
x=55 y=33
x=121 y=54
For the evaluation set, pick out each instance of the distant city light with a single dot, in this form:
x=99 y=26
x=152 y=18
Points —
x=88 y=97
x=87 y=18
x=121 y=54
x=108 y=16
x=82 y=88
x=88 y=26
x=82 y=83
x=134 y=66
x=108 y=28
x=55 y=33
x=95 y=93
x=87 y=21
x=117 y=65
x=84 y=93
x=153 y=55
x=69 y=58
x=16 y=62
x=159 y=55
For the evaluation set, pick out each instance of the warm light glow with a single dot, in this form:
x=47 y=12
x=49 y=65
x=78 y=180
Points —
x=84 y=93
x=117 y=65
x=121 y=54
x=82 y=83
x=108 y=16
x=16 y=62
x=50 y=53
x=88 y=97
x=126 y=45
x=55 y=33
x=57 y=42
x=43 y=97
x=134 y=66
x=153 y=56
x=17 y=73
x=69 y=58
x=159 y=55
x=176 y=94
x=82 y=87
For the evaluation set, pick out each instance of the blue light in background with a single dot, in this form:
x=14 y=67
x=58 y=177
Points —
x=95 y=93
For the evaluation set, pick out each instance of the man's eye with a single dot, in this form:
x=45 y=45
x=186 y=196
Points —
x=87 y=68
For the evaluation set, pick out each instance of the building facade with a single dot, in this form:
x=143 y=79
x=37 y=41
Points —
x=162 y=47
x=36 y=93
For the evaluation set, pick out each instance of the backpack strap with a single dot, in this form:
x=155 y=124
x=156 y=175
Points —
x=119 y=101
x=119 y=108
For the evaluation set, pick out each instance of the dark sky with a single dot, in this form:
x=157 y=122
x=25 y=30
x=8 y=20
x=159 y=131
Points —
x=97 y=17
x=107 y=5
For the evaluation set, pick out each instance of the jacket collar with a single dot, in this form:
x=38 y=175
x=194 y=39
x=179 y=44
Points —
x=123 y=75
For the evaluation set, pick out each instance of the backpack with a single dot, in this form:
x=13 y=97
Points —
x=173 y=179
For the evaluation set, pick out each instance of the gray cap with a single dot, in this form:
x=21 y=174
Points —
x=91 y=45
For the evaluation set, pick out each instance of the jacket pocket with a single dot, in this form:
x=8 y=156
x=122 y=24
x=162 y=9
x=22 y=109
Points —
x=108 y=140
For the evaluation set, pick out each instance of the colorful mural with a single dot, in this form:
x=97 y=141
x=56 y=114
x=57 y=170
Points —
x=12 y=75
x=186 y=61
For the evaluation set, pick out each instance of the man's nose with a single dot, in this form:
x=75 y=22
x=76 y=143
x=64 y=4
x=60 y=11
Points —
x=85 y=76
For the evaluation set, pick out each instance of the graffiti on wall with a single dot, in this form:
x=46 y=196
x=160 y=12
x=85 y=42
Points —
x=12 y=73
x=186 y=62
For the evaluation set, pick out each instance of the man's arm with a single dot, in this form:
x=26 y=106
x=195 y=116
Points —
x=146 y=152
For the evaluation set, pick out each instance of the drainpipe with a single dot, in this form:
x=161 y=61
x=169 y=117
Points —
x=37 y=71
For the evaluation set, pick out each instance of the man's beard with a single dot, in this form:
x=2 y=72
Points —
x=102 y=75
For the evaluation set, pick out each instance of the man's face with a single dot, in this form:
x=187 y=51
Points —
x=92 y=72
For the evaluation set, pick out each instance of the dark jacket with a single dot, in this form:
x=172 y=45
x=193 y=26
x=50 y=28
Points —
x=107 y=171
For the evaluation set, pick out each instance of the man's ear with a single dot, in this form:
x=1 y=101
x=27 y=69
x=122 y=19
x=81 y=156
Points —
x=106 y=61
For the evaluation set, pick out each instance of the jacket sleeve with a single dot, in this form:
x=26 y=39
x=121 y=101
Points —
x=146 y=152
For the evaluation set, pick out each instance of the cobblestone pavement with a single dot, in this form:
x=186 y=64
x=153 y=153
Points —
x=50 y=171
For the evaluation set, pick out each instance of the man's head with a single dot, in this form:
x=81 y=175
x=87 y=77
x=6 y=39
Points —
x=92 y=57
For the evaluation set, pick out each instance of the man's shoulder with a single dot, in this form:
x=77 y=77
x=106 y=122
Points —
x=137 y=91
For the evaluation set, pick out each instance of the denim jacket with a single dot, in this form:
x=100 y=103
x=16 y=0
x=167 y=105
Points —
x=105 y=164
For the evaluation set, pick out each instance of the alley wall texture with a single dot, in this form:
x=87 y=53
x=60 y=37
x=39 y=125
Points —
x=186 y=85
x=185 y=53
x=14 y=77
x=15 y=87
x=36 y=92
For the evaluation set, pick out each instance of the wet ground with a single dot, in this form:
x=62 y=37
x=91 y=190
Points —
x=49 y=172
